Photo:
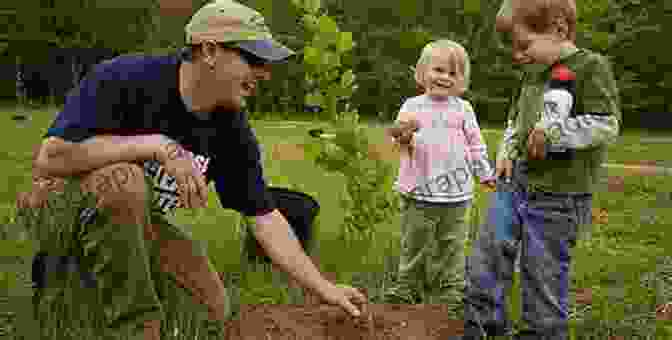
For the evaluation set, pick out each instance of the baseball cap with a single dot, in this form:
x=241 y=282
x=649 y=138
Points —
x=227 y=21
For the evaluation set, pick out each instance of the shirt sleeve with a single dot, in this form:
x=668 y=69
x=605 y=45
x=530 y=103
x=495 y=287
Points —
x=95 y=104
x=598 y=118
x=476 y=146
x=239 y=178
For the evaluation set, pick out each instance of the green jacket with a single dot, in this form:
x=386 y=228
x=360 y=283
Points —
x=576 y=102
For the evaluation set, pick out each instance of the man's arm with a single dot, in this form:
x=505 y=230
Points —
x=275 y=235
x=60 y=158
x=73 y=144
x=241 y=186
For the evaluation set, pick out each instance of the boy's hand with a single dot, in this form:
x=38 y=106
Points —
x=536 y=144
x=504 y=167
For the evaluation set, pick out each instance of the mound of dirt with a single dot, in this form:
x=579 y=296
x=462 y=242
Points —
x=323 y=322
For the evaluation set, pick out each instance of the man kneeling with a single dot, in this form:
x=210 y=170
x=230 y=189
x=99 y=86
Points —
x=145 y=134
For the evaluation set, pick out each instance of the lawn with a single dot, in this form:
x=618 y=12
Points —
x=620 y=262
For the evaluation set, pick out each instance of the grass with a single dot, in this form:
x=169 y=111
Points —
x=620 y=260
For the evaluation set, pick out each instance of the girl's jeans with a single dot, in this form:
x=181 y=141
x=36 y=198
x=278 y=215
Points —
x=432 y=263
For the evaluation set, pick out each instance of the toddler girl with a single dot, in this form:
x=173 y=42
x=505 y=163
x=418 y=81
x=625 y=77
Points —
x=441 y=151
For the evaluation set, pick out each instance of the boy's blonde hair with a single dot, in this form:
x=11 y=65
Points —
x=541 y=15
x=457 y=52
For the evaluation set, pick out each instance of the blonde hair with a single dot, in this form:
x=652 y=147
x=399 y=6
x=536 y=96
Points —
x=541 y=15
x=457 y=53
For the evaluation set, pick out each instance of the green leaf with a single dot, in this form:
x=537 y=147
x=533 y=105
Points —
x=312 y=150
x=331 y=59
x=310 y=22
x=341 y=92
x=315 y=99
x=345 y=42
x=327 y=25
x=312 y=6
x=312 y=56
x=333 y=75
x=322 y=41
x=348 y=78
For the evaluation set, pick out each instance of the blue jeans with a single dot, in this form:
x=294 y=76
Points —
x=543 y=227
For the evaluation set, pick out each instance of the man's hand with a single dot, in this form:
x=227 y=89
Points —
x=191 y=183
x=536 y=144
x=274 y=234
x=38 y=195
x=344 y=296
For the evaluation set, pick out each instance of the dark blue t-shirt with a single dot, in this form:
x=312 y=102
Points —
x=134 y=95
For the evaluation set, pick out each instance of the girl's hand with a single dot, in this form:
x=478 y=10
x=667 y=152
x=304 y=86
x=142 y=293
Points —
x=404 y=131
x=489 y=185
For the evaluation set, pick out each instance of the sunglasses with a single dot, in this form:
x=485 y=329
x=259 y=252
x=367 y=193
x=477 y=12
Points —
x=248 y=57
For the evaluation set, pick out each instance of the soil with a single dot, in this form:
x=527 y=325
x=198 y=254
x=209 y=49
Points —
x=315 y=320
x=323 y=322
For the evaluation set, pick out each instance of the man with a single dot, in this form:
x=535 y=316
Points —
x=144 y=130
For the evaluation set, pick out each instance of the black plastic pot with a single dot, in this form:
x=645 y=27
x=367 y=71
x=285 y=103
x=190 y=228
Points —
x=300 y=210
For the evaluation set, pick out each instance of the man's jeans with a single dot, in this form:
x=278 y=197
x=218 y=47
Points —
x=543 y=227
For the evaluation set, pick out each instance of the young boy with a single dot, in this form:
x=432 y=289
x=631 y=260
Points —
x=566 y=113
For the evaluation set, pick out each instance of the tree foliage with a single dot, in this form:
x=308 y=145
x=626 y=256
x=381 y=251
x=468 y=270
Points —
x=37 y=25
x=388 y=36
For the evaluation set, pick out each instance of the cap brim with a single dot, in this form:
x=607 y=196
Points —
x=268 y=50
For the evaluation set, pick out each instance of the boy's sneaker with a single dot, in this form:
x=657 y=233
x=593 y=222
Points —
x=489 y=332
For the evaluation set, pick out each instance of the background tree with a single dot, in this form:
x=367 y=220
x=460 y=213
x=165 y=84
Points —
x=389 y=36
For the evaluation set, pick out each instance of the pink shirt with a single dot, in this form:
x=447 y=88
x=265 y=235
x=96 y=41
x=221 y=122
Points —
x=448 y=151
